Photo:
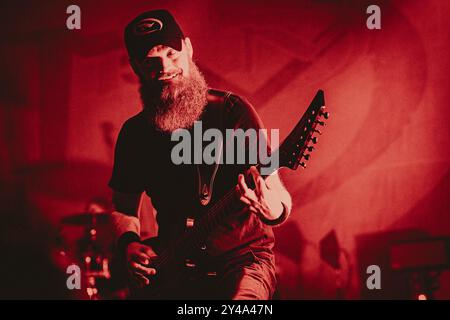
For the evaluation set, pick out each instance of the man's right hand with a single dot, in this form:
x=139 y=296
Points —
x=139 y=257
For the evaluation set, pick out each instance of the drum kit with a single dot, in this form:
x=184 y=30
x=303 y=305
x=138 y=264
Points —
x=82 y=238
x=93 y=253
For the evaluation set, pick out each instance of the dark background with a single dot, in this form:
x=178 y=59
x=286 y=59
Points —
x=381 y=167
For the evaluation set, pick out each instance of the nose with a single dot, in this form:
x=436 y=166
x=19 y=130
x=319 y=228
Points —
x=166 y=65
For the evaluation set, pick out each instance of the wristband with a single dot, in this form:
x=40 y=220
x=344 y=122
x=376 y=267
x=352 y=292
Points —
x=125 y=239
x=278 y=220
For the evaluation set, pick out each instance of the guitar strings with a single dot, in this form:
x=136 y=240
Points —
x=219 y=205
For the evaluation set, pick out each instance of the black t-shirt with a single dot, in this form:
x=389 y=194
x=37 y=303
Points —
x=143 y=164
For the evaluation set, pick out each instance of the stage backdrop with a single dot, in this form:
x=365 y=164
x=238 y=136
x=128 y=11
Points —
x=381 y=168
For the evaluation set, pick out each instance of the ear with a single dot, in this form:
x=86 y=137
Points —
x=189 y=49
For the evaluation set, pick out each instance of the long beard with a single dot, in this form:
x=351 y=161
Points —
x=175 y=105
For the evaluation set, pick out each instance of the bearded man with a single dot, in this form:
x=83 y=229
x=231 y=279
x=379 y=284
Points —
x=235 y=259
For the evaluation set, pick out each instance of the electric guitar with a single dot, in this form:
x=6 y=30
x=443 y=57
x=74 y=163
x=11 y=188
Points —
x=293 y=152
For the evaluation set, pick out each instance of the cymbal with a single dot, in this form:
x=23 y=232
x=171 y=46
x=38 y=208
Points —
x=86 y=218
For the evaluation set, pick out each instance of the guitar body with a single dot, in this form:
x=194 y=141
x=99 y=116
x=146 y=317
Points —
x=175 y=277
x=165 y=282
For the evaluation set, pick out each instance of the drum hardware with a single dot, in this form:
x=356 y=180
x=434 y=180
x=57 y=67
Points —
x=94 y=260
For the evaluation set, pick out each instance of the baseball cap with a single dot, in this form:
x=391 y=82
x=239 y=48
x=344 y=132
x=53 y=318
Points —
x=152 y=28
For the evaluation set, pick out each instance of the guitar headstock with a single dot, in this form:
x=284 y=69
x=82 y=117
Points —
x=297 y=147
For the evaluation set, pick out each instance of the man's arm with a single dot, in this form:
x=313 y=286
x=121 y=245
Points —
x=270 y=199
x=125 y=216
x=274 y=182
x=127 y=229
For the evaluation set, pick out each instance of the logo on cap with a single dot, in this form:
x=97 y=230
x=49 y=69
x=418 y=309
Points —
x=147 y=26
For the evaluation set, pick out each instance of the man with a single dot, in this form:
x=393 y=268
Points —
x=174 y=96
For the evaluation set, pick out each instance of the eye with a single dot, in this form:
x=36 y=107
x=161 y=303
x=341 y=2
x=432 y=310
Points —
x=172 y=53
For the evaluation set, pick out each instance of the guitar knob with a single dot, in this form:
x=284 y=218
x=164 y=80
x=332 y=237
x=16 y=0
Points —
x=189 y=222
x=320 y=123
x=314 y=140
x=310 y=148
x=307 y=156
x=302 y=164
x=326 y=115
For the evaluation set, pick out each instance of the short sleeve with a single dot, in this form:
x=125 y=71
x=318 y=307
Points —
x=243 y=115
x=127 y=174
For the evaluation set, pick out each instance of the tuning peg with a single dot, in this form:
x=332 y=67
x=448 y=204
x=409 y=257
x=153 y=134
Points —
x=307 y=156
x=318 y=131
x=325 y=114
x=314 y=140
x=320 y=123
x=302 y=164
x=310 y=148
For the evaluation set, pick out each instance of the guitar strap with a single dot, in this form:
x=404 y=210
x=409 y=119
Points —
x=206 y=173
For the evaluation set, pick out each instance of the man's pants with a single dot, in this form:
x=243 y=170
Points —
x=250 y=276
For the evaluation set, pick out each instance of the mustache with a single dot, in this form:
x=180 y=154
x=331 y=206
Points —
x=172 y=72
x=153 y=88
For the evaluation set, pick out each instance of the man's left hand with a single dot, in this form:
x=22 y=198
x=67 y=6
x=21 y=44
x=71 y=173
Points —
x=263 y=200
